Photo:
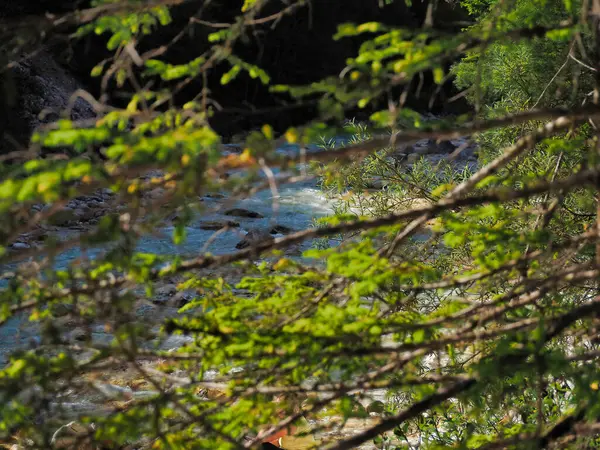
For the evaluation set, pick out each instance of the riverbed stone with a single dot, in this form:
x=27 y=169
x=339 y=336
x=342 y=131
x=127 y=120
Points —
x=64 y=217
x=20 y=246
x=254 y=237
x=166 y=291
x=217 y=225
x=215 y=195
x=281 y=229
x=156 y=193
x=241 y=212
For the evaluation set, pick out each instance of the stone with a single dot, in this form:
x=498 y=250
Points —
x=281 y=229
x=216 y=225
x=164 y=292
x=156 y=193
x=445 y=147
x=61 y=309
x=235 y=149
x=181 y=298
x=81 y=212
x=377 y=183
x=254 y=237
x=41 y=90
x=241 y=212
x=114 y=392
x=78 y=334
x=63 y=217
x=20 y=246
x=413 y=158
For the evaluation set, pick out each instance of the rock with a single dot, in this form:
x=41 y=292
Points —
x=81 y=212
x=20 y=246
x=181 y=298
x=41 y=90
x=78 y=334
x=377 y=183
x=156 y=193
x=61 y=309
x=281 y=229
x=228 y=149
x=254 y=237
x=63 y=217
x=431 y=146
x=445 y=147
x=114 y=392
x=66 y=436
x=173 y=217
x=163 y=293
x=176 y=341
x=215 y=195
x=241 y=212
x=413 y=158
x=169 y=290
x=216 y=225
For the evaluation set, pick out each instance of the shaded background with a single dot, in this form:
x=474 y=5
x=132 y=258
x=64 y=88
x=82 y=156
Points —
x=298 y=50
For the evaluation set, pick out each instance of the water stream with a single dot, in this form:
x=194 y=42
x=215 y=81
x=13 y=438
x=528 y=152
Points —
x=298 y=205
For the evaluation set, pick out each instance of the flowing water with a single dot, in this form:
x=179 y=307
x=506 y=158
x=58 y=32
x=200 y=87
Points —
x=293 y=206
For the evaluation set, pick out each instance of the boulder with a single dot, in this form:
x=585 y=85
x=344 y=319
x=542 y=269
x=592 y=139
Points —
x=181 y=298
x=64 y=217
x=254 y=237
x=41 y=91
x=217 y=225
x=215 y=195
x=155 y=193
x=241 y=212
x=164 y=293
x=445 y=147
x=281 y=229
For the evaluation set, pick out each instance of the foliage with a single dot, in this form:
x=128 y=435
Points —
x=469 y=299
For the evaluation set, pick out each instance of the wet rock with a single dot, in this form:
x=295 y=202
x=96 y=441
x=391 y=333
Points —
x=281 y=229
x=228 y=149
x=241 y=212
x=176 y=341
x=79 y=335
x=164 y=293
x=63 y=217
x=431 y=147
x=413 y=158
x=445 y=147
x=217 y=225
x=254 y=237
x=156 y=193
x=181 y=299
x=173 y=217
x=377 y=183
x=114 y=392
x=70 y=435
x=81 y=212
x=215 y=195
x=61 y=309
x=20 y=246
